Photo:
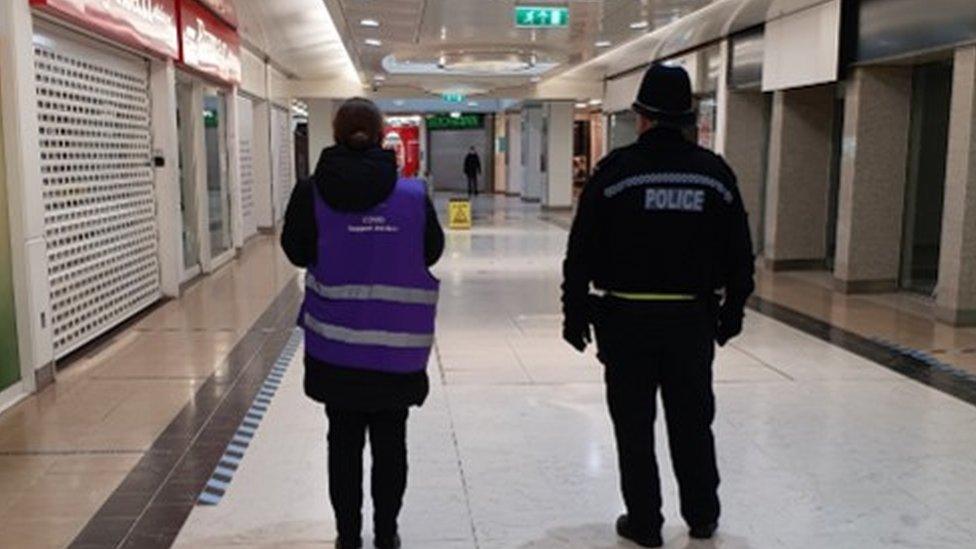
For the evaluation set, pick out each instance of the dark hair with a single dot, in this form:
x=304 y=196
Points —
x=358 y=124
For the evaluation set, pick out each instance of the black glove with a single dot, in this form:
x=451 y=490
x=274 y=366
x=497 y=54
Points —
x=577 y=333
x=729 y=324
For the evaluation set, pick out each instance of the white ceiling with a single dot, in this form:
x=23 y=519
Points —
x=317 y=40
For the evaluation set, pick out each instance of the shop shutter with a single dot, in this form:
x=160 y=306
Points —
x=245 y=122
x=99 y=197
x=283 y=159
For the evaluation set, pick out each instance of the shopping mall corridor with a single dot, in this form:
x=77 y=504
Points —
x=818 y=447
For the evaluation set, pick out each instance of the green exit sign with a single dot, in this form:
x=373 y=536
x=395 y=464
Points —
x=541 y=17
x=453 y=97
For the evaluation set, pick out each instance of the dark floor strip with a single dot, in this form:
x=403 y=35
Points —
x=223 y=475
x=150 y=506
x=907 y=362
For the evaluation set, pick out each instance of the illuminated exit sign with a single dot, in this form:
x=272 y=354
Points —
x=453 y=97
x=541 y=17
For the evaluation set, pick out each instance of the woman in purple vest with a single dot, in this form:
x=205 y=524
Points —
x=367 y=239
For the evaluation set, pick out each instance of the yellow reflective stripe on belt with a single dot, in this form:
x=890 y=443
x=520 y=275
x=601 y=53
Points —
x=653 y=297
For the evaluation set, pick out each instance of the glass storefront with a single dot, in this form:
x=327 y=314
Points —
x=218 y=188
x=191 y=240
x=623 y=129
x=9 y=359
x=925 y=188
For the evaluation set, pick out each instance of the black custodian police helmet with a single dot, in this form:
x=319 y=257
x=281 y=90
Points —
x=665 y=95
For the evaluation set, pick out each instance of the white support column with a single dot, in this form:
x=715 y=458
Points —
x=234 y=170
x=516 y=176
x=24 y=185
x=263 y=209
x=166 y=141
x=957 y=263
x=532 y=143
x=559 y=151
x=320 y=131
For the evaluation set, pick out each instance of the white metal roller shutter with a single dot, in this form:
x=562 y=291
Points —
x=99 y=199
x=245 y=123
x=283 y=159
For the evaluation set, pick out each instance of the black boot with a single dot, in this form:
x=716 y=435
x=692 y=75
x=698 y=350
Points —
x=387 y=542
x=705 y=531
x=348 y=543
x=644 y=539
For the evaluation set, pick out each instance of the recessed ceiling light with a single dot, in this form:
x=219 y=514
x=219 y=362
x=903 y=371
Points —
x=537 y=79
x=372 y=23
x=373 y=42
x=581 y=105
x=596 y=102
x=603 y=44
x=638 y=25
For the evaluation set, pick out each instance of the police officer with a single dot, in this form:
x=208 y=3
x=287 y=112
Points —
x=659 y=233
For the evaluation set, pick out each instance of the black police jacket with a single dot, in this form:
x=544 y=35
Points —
x=662 y=215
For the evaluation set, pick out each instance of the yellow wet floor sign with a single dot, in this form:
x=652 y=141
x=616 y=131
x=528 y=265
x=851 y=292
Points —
x=459 y=213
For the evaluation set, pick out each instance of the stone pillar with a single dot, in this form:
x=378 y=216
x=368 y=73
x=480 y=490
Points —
x=872 y=189
x=558 y=193
x=799 y=178
x=956 y=301
x=320 y=133
x=741 y=139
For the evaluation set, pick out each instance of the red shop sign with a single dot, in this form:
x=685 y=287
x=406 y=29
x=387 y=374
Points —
x=208 y=45
x=224 y=9
x=142 y=24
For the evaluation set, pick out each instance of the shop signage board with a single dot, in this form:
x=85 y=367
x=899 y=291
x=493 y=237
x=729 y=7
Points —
x=224 y=9
x=542 y=17
x=208 y=45
x=462 y=122
x=144 y=24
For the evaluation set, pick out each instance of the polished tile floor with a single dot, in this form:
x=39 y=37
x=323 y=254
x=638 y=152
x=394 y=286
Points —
x=64 y=451
x=818 y=447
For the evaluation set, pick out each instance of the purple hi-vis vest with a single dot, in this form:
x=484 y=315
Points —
x=370 y=301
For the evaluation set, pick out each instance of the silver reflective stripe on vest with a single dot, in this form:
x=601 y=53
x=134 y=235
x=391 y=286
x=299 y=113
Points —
x=368 y=337
x=377 y=292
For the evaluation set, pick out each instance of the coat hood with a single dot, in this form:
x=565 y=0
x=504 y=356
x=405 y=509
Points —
x=354 y=181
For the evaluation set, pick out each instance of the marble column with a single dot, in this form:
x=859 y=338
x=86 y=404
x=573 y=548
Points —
x=870 y=208
x=798 y=183
x=742 y=140
x=956 y=301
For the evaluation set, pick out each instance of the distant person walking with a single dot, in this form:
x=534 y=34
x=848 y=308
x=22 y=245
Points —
x=367 y=239
x=472 y=169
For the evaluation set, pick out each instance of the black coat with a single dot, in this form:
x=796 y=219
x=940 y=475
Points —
x=472 y=165
x=353 y=181
x=632 y=236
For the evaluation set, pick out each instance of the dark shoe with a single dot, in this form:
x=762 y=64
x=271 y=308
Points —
x=348 y=543
x=703 y=532
x=626 y=531
x=387 y=542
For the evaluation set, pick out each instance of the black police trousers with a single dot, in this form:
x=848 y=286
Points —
x=646 y=346
x=388 y=442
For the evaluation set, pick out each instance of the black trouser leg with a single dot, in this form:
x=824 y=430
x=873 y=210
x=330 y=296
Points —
x=689 y=407
x=473 y=185
x=631 y=399
x=388 y=442
x=347 y=437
